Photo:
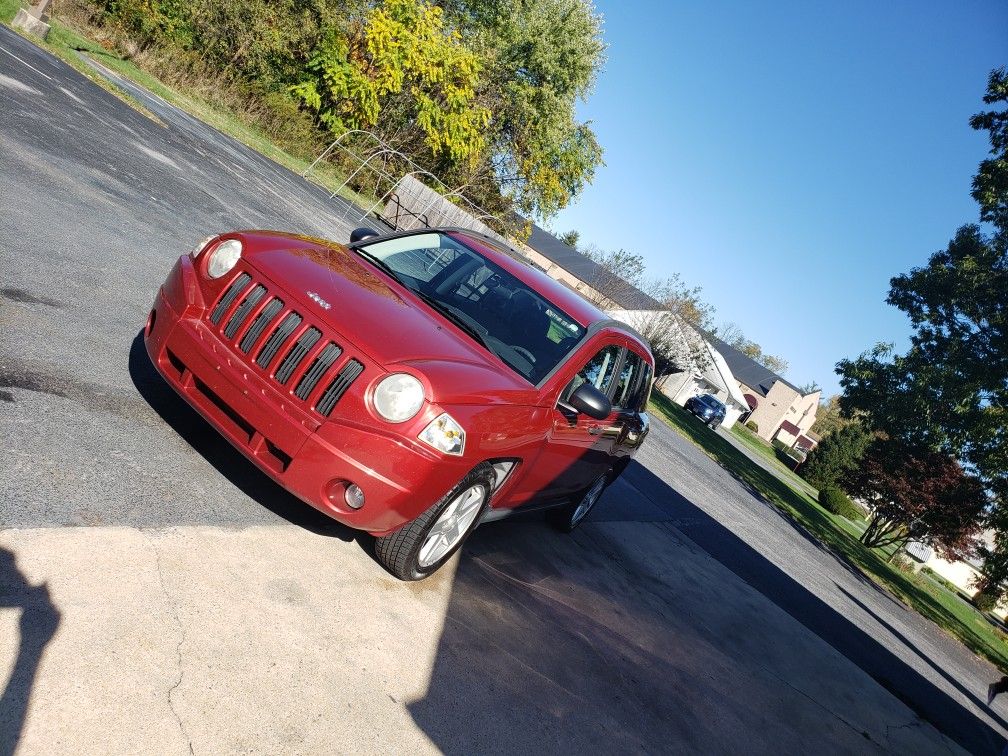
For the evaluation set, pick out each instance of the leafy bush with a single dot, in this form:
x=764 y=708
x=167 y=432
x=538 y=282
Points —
x=985 y=602
x=836 y=455
x=751 y=425
x=836 y=501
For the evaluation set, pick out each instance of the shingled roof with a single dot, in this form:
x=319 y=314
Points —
x=585 y=269
x=746 y=369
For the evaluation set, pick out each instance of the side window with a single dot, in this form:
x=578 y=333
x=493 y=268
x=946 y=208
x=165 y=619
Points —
x=643 y=390
x=629 y=380
x=599 y=371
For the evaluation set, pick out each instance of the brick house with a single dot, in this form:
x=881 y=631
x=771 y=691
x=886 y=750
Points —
x=780 y=410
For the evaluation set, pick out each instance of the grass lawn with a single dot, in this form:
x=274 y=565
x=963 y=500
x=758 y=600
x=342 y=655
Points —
x=765 y=450
x=928 y=597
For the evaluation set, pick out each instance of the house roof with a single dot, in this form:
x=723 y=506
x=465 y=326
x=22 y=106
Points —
x=790 y=427
x=727 y=378
x=746 y=369
x=585 y=269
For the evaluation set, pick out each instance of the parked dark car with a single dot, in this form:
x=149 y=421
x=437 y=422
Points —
x=410 y=385
x=707 y=408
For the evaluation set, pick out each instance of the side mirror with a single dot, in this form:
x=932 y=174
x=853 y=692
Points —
x=362 y=233
x=588 y=400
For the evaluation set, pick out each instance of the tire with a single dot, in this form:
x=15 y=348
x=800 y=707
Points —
x=569 y=516
x=413 y=552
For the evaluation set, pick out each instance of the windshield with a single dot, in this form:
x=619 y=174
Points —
x=529 y=333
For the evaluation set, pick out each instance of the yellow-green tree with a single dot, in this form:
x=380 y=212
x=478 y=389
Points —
x=404 y=56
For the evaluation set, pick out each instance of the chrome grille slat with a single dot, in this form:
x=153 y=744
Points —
x=338 y=387
x=282 y=332
x=270 y=311
x=318 y=368
x=250 y=301
x=297 y=353
x=236 y=287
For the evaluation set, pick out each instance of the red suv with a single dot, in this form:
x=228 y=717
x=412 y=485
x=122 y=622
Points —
x=410 y=385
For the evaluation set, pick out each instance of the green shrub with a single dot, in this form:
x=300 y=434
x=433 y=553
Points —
x=834 y=500
x=751 y=425
x=836 y=455
x=985 y=602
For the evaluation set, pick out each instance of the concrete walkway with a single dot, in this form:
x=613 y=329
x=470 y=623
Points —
x=626 y=637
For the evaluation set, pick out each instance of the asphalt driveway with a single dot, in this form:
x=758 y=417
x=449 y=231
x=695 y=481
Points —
x=158 y=593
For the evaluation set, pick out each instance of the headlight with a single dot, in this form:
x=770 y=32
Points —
x=398 y=397
x=224 y=257
x=444 y=434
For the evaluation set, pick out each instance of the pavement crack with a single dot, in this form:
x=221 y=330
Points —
x=863 y=733
x=178 y=646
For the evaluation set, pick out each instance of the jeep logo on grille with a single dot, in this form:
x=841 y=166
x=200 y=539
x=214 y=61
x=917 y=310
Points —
x=321 y=302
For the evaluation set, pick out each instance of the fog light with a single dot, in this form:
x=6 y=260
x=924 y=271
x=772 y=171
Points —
x=354 y=497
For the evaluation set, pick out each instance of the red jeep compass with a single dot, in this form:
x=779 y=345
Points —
x=411 y=385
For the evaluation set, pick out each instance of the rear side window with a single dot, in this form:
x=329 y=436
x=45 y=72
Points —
x=599 y=371
x=626 y=394
x=643 y=390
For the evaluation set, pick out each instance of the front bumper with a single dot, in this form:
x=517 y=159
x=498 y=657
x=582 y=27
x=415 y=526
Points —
x=312 y=457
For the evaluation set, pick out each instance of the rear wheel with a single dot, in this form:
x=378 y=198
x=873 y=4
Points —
x=568 y=517
x=420 y=547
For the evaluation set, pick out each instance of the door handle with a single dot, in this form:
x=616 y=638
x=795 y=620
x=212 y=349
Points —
x=595 y=430
x=610 y=430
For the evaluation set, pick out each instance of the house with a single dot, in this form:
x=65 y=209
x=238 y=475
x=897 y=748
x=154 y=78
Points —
x=780 y=410
x=710 y=376
x=960 y=574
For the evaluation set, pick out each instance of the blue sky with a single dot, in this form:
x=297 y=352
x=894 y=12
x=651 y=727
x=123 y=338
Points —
x=790 y=157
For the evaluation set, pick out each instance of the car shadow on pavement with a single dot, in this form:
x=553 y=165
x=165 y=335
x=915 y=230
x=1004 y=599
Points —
x=227 y=460
x=39 y=620
x=597 y=642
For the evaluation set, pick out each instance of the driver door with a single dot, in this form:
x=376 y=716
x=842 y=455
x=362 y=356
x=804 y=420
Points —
x=580 y=448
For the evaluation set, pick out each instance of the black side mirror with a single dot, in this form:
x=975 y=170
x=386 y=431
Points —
x=362 y=233
x=588 y=400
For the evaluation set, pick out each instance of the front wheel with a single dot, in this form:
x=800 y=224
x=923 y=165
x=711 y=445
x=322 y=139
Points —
x=568 y=517
x=420 y=547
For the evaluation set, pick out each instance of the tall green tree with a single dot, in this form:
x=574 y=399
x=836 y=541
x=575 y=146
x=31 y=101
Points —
x=949 y=392
x=539 y=57
x=829 y=418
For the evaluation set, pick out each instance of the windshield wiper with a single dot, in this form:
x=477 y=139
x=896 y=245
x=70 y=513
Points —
x=454 y=317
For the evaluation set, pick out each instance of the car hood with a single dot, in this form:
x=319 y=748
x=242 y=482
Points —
x=382 y=320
